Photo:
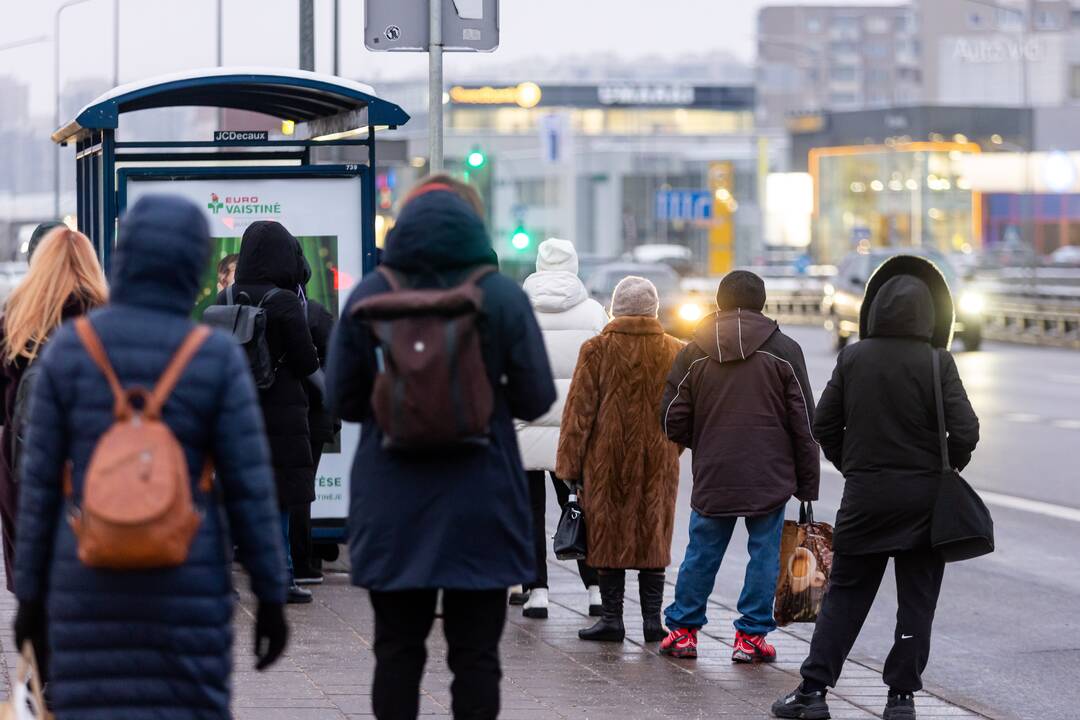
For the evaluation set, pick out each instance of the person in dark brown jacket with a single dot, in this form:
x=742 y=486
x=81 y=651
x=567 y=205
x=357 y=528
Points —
x=610 y=442
x=739 y=397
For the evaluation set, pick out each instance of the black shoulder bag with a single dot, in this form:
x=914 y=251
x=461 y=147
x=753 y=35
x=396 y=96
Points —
x=571 y=542
x=961 y=527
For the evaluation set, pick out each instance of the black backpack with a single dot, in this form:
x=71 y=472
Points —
x=247 y=323
x=20 y=414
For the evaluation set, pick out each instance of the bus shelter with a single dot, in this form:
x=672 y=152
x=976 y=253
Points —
x=239 y=176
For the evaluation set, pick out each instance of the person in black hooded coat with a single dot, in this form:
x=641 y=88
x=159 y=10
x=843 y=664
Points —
x=459 y=522
x=271 y=259
x=877 y=423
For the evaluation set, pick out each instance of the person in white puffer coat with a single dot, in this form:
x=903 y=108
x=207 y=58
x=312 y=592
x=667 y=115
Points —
x=568 y=317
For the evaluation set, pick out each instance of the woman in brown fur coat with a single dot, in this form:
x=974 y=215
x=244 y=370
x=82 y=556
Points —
x=611 y=443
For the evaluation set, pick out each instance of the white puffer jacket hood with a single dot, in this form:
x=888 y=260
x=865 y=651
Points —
x=568 y=317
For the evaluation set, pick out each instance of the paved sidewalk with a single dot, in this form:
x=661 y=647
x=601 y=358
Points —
x=549 y=673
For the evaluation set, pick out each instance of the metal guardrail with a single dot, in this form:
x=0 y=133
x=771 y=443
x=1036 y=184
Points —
x=1047 y=322
x=1032 y=322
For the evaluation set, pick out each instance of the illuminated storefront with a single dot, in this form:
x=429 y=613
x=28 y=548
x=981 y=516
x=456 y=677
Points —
x=898 y=195
x=587 y=161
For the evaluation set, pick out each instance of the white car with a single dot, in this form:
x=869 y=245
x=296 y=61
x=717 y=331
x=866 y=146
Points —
x=1066 y=255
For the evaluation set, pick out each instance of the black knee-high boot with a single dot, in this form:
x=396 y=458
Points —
x=610 y=626
x=651 y=593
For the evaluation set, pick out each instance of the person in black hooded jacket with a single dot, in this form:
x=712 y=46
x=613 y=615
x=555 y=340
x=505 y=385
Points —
x=271 y=259
x=877 y=423
x=458 y=522
x=323 y=427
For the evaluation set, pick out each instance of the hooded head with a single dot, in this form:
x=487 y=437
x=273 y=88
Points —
x=438 y=230
x=635 y=296
x=269 y=255
x=907 y=296
x=555 y=286
x=741 y=289
x=555 y=255
x=161 y=254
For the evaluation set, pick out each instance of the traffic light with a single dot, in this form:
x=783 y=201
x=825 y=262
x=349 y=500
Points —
x=520 y=238
x=476 y=159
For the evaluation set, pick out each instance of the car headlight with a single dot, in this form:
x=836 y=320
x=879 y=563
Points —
x=972 y=303
x=691 y=312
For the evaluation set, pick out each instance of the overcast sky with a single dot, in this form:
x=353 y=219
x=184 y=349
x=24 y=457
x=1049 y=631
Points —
x=159 y=36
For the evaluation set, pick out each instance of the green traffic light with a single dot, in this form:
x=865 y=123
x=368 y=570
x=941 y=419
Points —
x=476 y=159
x=520 y=239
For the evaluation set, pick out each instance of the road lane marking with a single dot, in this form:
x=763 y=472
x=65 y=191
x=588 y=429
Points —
x=1034 y=506
x=1061 y=512
x=1067 y=424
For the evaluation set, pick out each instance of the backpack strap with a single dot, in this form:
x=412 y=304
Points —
x=92 y=343
x=479 y=274
x=269 y=294
x=229 y=296
x=391 y=277
x=165 y=384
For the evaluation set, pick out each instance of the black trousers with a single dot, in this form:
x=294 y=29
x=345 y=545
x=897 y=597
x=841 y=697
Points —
x=300 y=527
x=473 y=624
x=852 y=587
x=538 y=501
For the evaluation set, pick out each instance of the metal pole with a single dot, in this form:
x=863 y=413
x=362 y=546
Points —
x=116 y=43
x=435 y=89
x=337 y=37
x=307 y=34
x=219 y=57
x=56 y=108
x=219 y=54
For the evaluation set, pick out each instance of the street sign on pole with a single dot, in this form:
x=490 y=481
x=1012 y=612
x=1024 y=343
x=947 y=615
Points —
x=434 y=27
x=405 y=25
x=684 y=205
x=553 y=131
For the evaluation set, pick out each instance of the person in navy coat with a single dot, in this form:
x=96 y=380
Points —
x=458 y=522
x=130 y=645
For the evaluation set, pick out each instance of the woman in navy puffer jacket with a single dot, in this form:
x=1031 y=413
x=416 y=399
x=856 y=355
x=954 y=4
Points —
x=133 y=645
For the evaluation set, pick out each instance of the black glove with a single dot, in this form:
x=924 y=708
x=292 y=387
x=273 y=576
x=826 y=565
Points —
x=271 y=634
x=30 y=626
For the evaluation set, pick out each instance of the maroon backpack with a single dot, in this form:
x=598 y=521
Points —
x=432 y=389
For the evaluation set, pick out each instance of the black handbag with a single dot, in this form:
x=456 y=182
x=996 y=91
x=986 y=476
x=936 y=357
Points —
x=961 y=527
x=570 y=540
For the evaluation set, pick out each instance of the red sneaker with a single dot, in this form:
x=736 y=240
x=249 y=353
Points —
x=680 y=643
x=752 y=648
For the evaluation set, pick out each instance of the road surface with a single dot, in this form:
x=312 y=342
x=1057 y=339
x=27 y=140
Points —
x=1007 y=632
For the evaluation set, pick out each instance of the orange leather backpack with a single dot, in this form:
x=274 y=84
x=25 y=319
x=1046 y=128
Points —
x=137 y=510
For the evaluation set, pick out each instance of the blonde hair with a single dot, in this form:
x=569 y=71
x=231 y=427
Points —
x=63 y=267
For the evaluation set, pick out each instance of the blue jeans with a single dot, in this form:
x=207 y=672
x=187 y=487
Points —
x=288 y=548
x=709 y=538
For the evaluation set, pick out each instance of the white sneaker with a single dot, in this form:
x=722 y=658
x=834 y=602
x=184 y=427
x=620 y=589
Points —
x=536 y=606
x=596 y=606
x=518 y=595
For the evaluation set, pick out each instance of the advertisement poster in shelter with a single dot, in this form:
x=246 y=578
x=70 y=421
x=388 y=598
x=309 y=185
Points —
x=325 y=214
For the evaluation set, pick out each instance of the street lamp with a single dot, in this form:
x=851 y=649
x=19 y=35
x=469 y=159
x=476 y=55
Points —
x=24 y=43
x=56 y=88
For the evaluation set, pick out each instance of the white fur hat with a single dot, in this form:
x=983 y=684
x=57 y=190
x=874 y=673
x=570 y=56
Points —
x=635 y=296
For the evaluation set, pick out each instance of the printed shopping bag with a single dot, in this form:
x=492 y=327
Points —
x=27 y=701
x=805 y=563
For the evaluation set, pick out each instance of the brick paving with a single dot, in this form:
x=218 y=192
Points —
x=549 y=673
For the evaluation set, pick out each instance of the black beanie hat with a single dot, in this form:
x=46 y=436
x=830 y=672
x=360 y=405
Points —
x=741 y=289
x=39 y=234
